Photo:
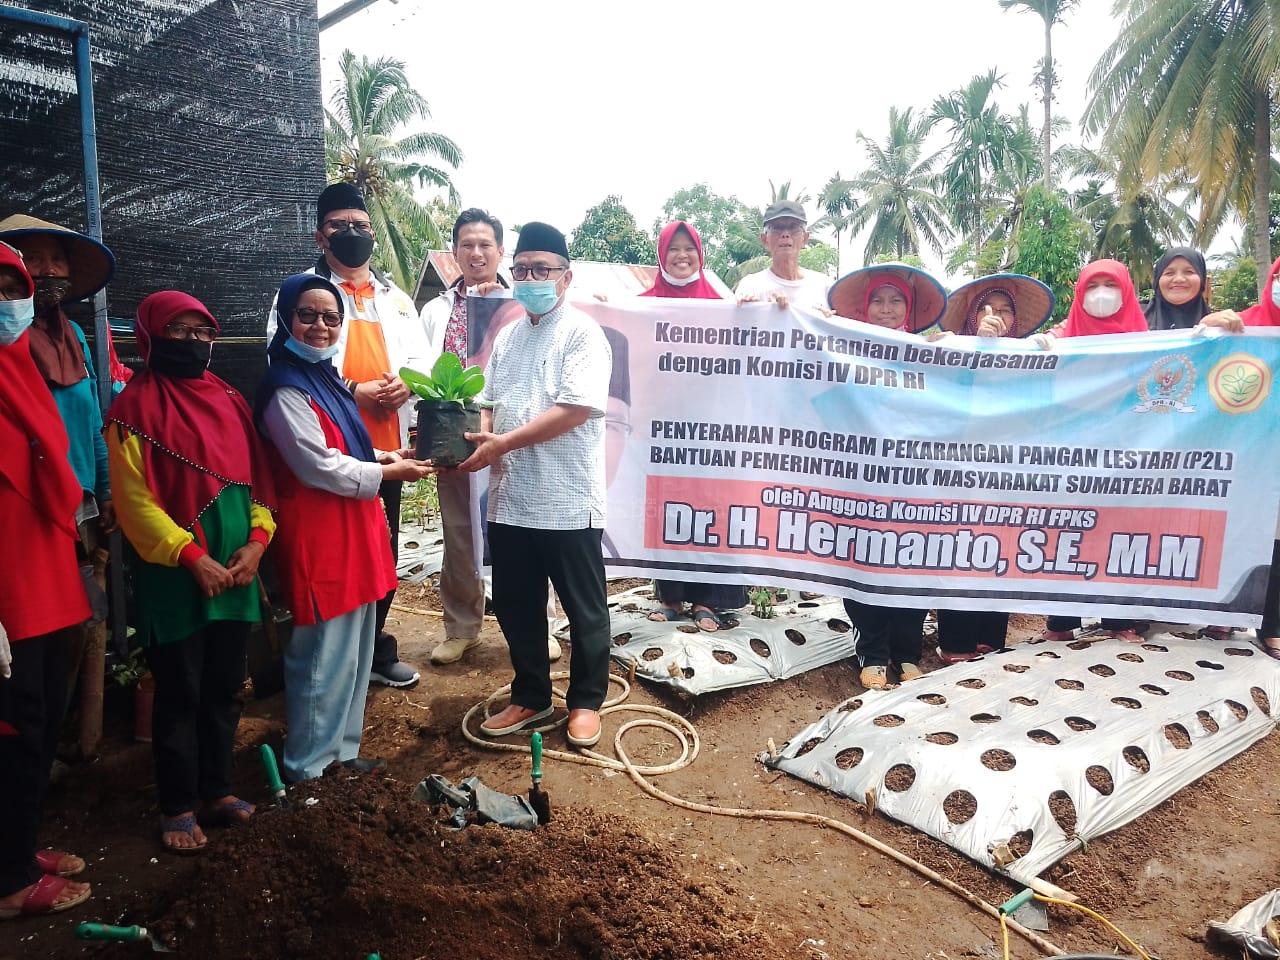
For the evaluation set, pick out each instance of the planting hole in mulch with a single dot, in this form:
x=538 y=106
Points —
x=1080 y=644
x=808 y=745
x=807 y=604
x=1238 y=710
x=759 y=647
x=936 y=699
x=999 y=760
x=1155 y=648
x=1016 y=667
x=688 y=628
x=836 y=625
x=851 y=706
x=1044 y=737
x=900 y=777
x=1238 y=652
x=1080 y=724
x=1206 y=720
x=1153 y=689
x=1063 y=809
x=972 y=684
x=1102 y=670
x=943 y=738
x=985 y=718
x=796 y=637
x=960 y=806
x=653 y=653
x=1261 y=699
x=1177 y=735
x=687 y=673
x=1209 y=665
x=1024 y=701
x=849 y=758
x=1070 y=684
x=724 y=656
x=1179 y=675
x=1130 y=658
x=1100 y=779
x=1050 y=654
x=1137 y=759
x=1020 y=844
x=889 y=720
x=1127 y=702
x=621 y=638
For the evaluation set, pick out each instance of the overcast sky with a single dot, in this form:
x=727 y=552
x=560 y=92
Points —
x=558 y=105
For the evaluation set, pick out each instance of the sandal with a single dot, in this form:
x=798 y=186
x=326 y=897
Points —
x=950 y=658
x=1271 y=647
x=227 y=814
x=665 y=614
x=703 y=615
x=183 y=824
x=48 y=860
x=43 y=899
x=1217 y=633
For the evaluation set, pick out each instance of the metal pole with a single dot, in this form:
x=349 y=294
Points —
x=334 y=17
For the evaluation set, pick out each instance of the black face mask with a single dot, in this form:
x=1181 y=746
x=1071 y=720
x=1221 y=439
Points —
x=351 y=247
x=50 y=291
x=184 y=359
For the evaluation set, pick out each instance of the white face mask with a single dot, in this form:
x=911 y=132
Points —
x=1275 y=294
x=675 y=282
x=1103 y=302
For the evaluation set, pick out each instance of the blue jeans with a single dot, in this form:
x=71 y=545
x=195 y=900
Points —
x=326 y=679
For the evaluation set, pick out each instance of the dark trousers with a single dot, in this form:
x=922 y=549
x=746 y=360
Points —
x=1062 y=624
x=717 y=596
x=886 y=634
x=1271 y=612
x=523 y=560
x=961 y=631
x=32 y=703
x=385 y=652
x=197 y=708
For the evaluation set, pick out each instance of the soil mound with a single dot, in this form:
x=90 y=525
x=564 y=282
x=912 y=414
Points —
x=367 y=868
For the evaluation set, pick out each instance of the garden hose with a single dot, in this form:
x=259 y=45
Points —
x=1026 y=896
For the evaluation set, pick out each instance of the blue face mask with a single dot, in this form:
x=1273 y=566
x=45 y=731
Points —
x=307 y=352
x=15 y=317
x=539 y=297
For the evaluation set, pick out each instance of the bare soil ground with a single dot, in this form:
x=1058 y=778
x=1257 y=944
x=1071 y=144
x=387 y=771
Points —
x=618 y=875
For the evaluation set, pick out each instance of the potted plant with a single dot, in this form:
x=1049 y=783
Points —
x=131 y=672
x=445 y=410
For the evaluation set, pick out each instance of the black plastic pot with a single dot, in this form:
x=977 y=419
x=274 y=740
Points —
x=441 y=426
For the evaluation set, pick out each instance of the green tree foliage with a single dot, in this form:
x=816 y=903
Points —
x=714 y=217
x=1235 y=287
x=821 y=257
x=366 y=143
x=609 y=233
x=1052 y=243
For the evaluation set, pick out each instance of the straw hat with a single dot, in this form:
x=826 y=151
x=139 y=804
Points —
x=848 y=294
x=92 y=263
x=1034 y=301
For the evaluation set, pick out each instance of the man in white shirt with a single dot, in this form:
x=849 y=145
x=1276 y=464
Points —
x=784 y=281
x=383 y=334
x=477 y=248
x=546 y=391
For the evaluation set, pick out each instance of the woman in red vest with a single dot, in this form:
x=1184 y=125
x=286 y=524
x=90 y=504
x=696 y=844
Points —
x=332 y=548
x=41 y=606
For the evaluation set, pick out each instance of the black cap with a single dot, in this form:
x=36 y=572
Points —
x=783 y=209
x=541 y=238
x=338 y=196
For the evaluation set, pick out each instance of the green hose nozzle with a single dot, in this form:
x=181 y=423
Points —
x=272 y=771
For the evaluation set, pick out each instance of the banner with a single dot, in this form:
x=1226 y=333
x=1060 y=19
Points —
x=1124 y=476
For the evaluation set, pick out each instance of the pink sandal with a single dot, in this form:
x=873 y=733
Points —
x=43 y=899
x=48 y=860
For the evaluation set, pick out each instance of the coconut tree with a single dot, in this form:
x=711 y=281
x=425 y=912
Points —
x=1186 y=88
x=1051 y=12
x=366 y=143
x=838 y=203
x=899 y=199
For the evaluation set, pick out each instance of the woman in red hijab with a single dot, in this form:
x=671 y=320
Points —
x=193 y=497
x=40 y=610
x=681 y=276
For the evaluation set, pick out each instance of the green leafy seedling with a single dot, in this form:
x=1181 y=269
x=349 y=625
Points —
x=448 y=382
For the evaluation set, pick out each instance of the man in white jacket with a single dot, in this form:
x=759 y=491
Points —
x=477 y=247
x=383 y=334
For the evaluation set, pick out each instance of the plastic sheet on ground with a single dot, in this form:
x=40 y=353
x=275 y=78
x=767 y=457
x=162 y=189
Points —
x=1248 y=927
x=802 y=635
x=1016 y=757
x=421 y=551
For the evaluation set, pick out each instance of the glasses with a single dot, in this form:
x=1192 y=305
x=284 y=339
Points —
x=180 y=331
x=538 y=271
x=360 y=226
x=309 y=317
x=780 y=228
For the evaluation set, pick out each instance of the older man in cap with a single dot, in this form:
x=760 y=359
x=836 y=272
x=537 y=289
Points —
x=784 y=281
x=546 y=392
x=383 y=334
